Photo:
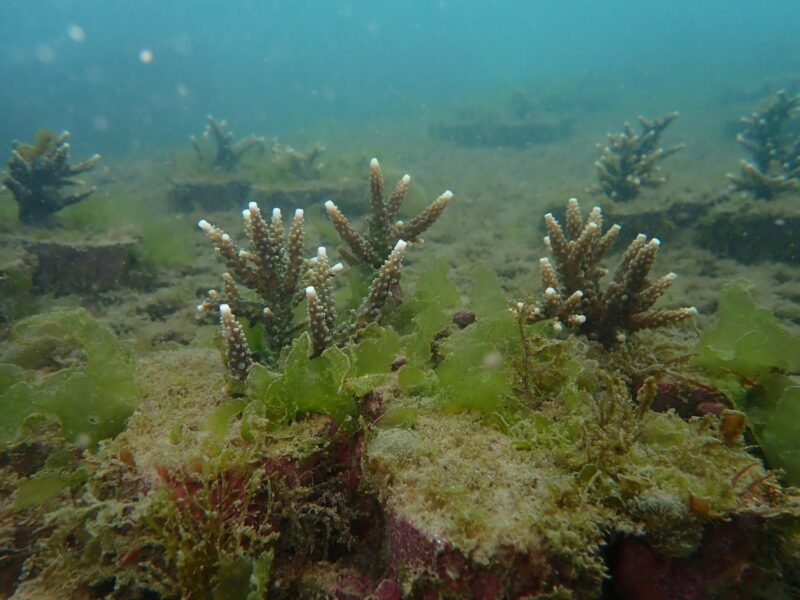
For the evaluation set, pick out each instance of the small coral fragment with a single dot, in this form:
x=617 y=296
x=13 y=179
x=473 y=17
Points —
x=572 y=293
x=227 y=153
x=774 y=148
x=38 y=173
x=629 y=160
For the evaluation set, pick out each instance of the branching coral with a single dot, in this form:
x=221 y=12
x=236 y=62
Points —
x=276 y=273
x=572 y=292
x=38 y=173
x=374 y=247
x=302 y=165
x=775 y=165
x=629 y=160
x=227 y=153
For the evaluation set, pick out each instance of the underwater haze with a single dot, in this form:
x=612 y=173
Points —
x=133 y=74
x=456 y=299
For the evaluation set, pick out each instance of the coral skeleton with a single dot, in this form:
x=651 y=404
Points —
x=279 y=279
x=383 y=230
x=775 y=151
x=227 y=153
x=572 y=294
x=629 y=160
x=38 y=173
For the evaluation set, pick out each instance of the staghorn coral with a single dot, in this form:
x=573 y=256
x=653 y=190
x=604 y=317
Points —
x=276 y=272
x=374 y=247
x=629 y=160
x=39 y=172
x=227 y=153
x=572 y=292
x=775 y=164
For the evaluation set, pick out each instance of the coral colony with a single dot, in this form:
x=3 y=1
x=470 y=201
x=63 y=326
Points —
x=774 y=167
x=572 y=292
x=629 y=160
x=275 y=270
x=39 y=173
x=227 y=154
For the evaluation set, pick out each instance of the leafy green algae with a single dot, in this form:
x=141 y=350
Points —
x=87 y=383
x=756 y=363
x=328 y=384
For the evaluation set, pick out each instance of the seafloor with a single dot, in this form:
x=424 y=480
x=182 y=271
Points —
x=495 y=220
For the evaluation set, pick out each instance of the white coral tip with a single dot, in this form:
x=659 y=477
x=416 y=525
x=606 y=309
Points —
x=252 y=206
x=321 y=252
x=406 y=179
x=204 y=225
x=330 y=206
x=311 y=292
x=337 y=268
x=550 y=292
x=580 y=319
x=400 y=246
x=225 y=311
x=298 y=214
x=276 y=213
x=374 y=164
x=692 y=310
x=447 y=195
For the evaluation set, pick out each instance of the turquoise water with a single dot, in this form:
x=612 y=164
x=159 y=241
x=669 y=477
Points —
x=278 y=66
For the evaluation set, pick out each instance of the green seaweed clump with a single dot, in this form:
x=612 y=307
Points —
x=756 y=364
x=329 y=384
x=65 y=363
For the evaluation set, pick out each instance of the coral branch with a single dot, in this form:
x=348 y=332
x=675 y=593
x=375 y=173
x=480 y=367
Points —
x=238 y=355
x=374 y=247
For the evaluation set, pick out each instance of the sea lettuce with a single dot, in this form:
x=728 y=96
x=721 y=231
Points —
x=66 y=363
x=756 y=363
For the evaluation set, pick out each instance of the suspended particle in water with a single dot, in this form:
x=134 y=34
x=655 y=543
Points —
x=76 y=33
x=45 y=54
x=146 y=56
x=100 y=123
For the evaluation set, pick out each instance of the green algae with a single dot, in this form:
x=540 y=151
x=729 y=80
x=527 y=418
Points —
x=88 y=382
x=328 y=384
x=756 y=362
